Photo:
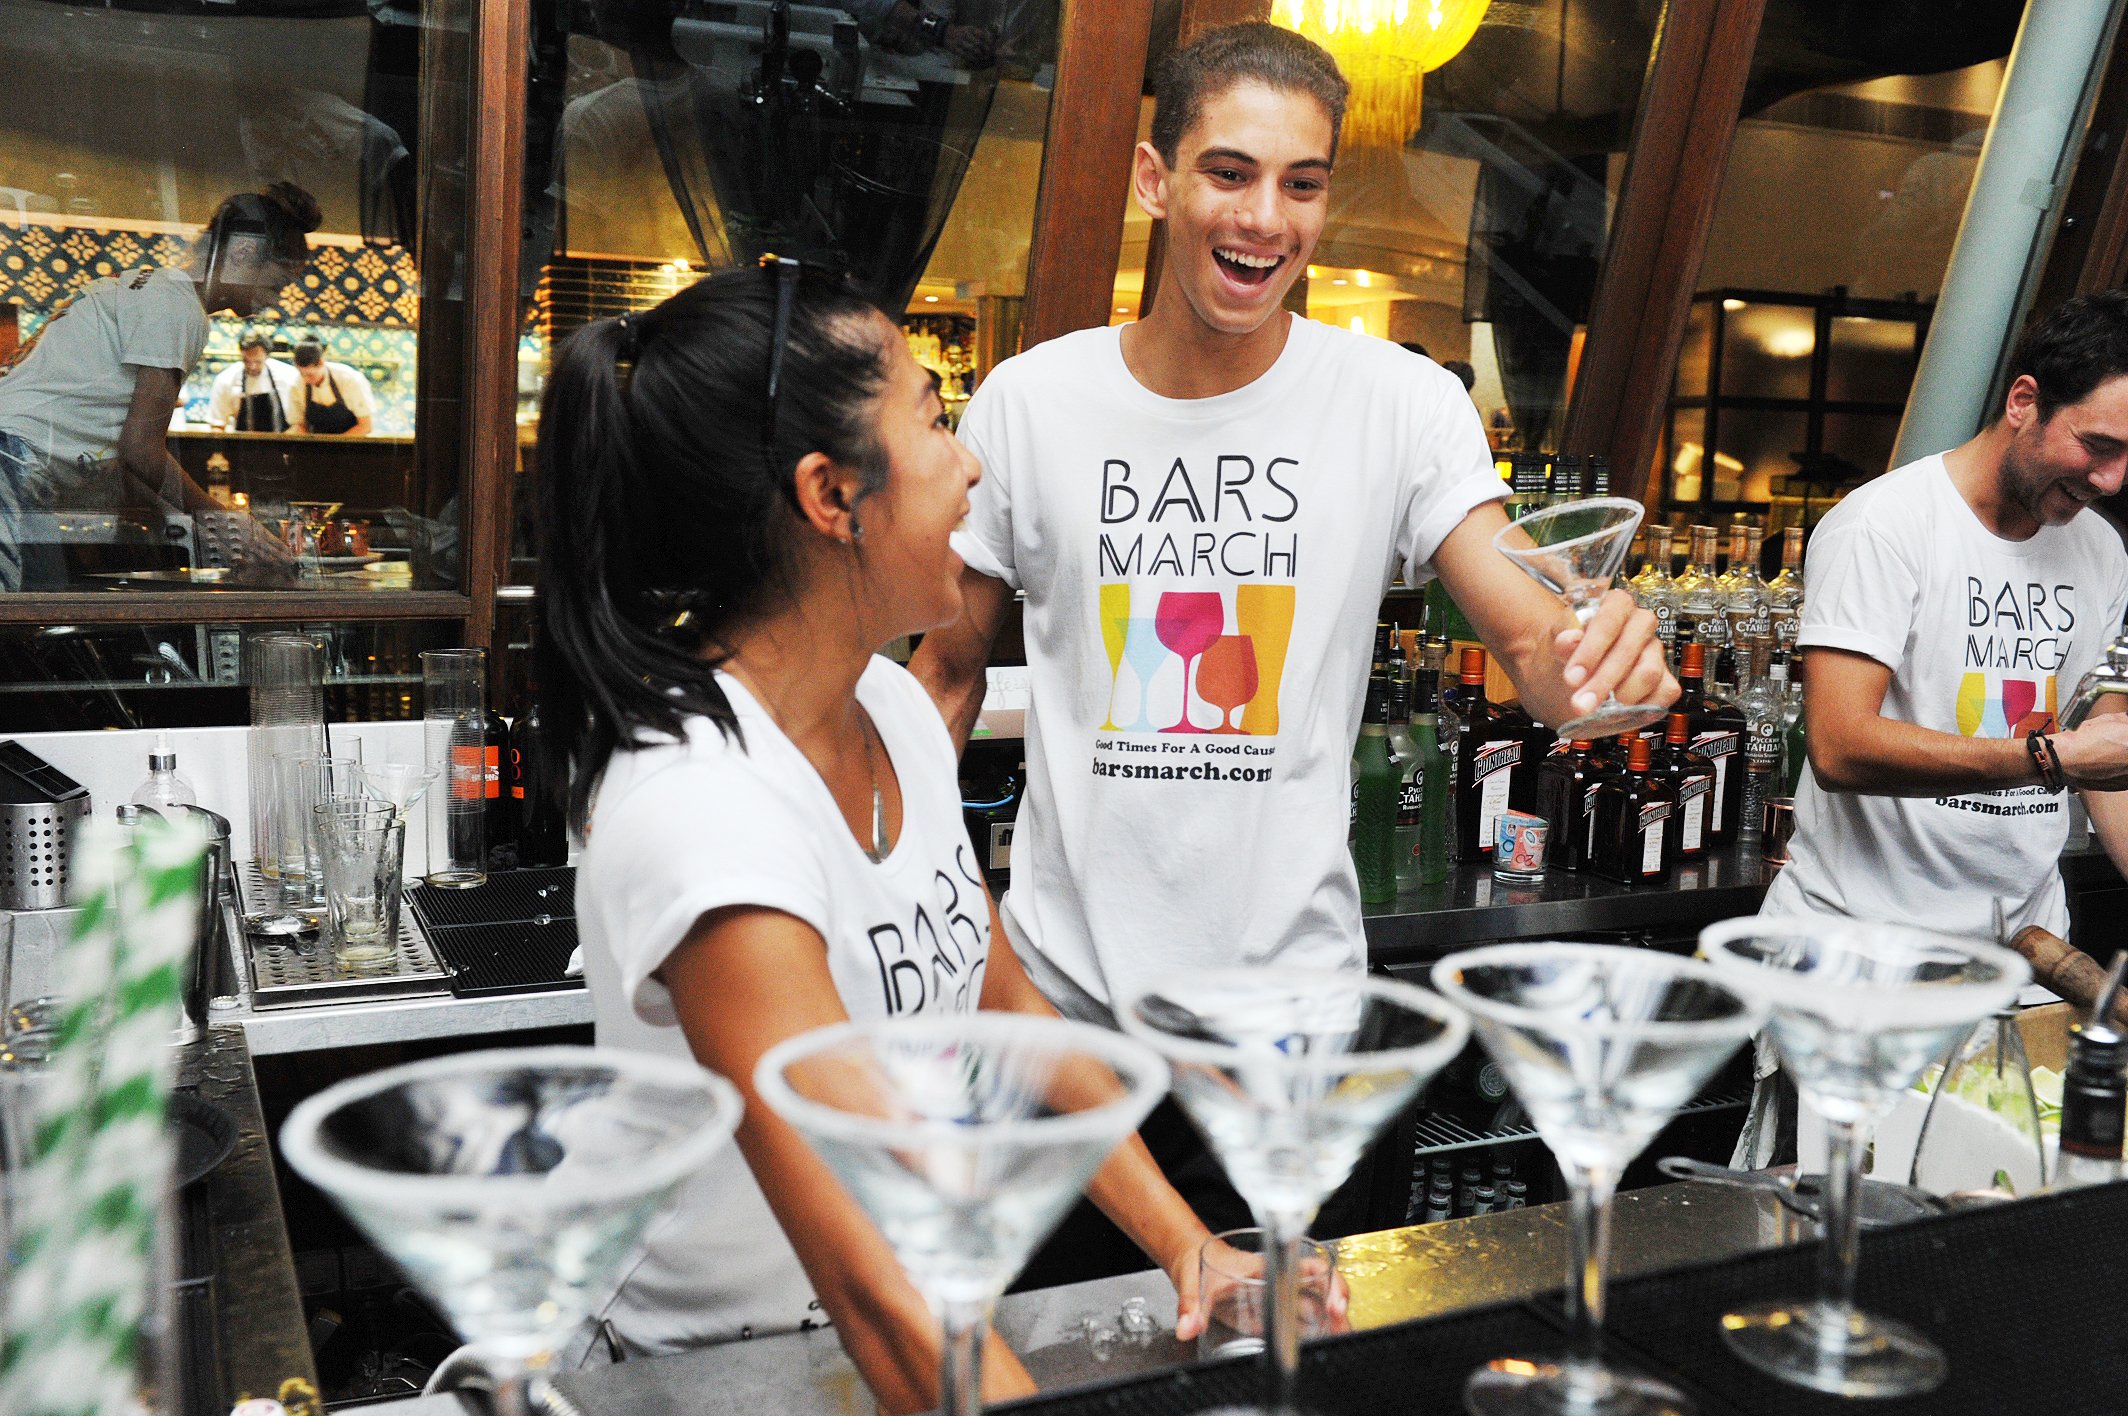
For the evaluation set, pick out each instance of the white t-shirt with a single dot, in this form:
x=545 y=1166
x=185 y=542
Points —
x=354 y=392
x=1241 y=544
x=1981 y=635
x=682 y=828
x=232 y=385
x=68 y=397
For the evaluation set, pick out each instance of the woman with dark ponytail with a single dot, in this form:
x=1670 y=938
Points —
x=745 y=492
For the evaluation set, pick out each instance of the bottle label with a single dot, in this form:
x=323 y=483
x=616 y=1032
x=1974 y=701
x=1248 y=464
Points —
x=491 y=773
x=1692 y=797
x=1492 y=801
x=1494 y=756
x=1652 y=817
x=1721 y=746
x=1588 y=818
x=466 y=773
x=517 y=774
x=1409 y=795
x=1763 y=748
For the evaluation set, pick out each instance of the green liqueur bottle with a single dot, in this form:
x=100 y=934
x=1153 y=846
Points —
x=1377 y=783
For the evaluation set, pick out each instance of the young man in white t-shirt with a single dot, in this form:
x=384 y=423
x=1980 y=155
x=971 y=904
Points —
x=257 y=393
x=1954 y=602
x=1203 y=511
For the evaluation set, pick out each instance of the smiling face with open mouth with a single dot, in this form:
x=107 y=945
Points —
x=2055 y=467
x=1244 y=203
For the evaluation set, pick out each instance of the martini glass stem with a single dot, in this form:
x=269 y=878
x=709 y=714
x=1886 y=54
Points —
x=1843 y=1225
x=1589 y=1224
x=1283 y=1234
x=960 y=1378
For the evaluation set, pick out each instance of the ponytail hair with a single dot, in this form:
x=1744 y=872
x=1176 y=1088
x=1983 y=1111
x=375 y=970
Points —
x=664 y=519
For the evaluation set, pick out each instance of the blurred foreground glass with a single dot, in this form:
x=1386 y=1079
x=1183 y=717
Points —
x=1602 y=1045
x=965 y=1139
x=1859 y=1011
x=1290 y=1073
x=361 y=845
x=454 y=688
x=513 y=1187
x=1230 y=1280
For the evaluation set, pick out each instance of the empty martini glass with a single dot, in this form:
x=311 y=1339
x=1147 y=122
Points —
x=513 y=1187
x=400 y=785
x=1602 y=1044
x=1574 y=550
x=965 y=1139
x=1859 y=1011
x=1289 y=1073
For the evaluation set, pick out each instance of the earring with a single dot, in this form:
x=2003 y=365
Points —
x=856 y=536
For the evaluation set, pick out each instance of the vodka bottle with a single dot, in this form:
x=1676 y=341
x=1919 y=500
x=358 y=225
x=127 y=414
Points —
x=1701 y=617
x=1784 y=596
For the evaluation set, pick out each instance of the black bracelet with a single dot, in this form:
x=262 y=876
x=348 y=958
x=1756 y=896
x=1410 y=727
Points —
x=2044 y=761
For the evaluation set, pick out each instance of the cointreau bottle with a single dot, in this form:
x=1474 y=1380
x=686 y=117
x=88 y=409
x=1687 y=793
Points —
x=1717 y=735
x=1631 y=839
x=1690 y=776
x=1486 y=753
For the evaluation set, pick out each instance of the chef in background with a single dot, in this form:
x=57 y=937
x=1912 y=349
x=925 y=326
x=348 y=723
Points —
x=256 y=394
x=332 y=398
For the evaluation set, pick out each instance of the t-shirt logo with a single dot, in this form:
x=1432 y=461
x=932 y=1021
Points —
x=2016 y=637
x=1199 y=661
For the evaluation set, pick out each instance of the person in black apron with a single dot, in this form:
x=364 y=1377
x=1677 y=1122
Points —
x=236 y=407
x=332 y=419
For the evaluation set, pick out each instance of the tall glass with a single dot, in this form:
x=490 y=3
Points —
x=1859 y=1011
x=454 y=688
x=300 y=782
x=1289 y=1073
x=287 y=673
x=965 y=1139
x=513 y=1187
x=1602 y=1044
x=360 y=846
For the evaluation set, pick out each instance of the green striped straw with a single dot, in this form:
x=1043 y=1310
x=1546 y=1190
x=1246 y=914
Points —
x=85 y=1236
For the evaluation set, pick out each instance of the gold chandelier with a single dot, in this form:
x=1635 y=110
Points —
x=1383 y=46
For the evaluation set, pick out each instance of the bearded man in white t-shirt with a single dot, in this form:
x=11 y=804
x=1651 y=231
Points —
x=1203 y=510
x=1953 y=602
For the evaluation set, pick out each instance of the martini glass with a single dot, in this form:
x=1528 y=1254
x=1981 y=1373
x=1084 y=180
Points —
x=1859 y=1011
x=1289 y=1073
x=400 y=785
x=965 y=1139
x=1574 y=550
x=1602 y=1044
x=513 y=1187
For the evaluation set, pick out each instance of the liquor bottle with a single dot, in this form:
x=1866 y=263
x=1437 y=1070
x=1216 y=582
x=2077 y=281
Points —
x=1718 y=735
x=1723 y=683
x=1384 y=637
x=538 y=784
x=1539 y=742
x=1744 y=597
x=1690 y=777
x=1564 y=785
x=1700 y=619
x=1487 y=750
x=2094 y=1093
x=1566 y=480
x=1784 y=596
x=1376 y=782
x=1430 y=778
x=500 y=788
x=1404 y=752
x=1795 y=740
x=1633 y=837
x=1652 y=591
x=1763 y=707
x=1599 y=475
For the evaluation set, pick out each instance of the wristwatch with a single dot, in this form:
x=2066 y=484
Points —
x=932 y=28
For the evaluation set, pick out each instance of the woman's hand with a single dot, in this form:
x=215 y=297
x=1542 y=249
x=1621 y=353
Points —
x=1193 y=1307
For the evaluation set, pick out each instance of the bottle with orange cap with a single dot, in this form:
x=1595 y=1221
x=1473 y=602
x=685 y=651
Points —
x=1690 y=776
x=1486 y=752
x=1631 y=839
x=1717 y=735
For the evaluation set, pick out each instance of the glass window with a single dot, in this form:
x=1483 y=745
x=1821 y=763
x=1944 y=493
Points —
x=1844 y=189
x=1471 y=202
x=226 y=238
x=75 y=676
x=898 y=143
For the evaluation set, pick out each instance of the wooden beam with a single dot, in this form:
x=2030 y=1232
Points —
x=1093 y=126
x=231 y=606
x=494 y=230
x=1688 y=116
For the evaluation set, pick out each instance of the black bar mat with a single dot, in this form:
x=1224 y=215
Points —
x=506 y=895
x=517 y=956
x=1414 y=1370
x=2029 y=1302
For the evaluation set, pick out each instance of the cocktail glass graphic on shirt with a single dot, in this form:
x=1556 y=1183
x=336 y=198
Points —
x=1226 y=677
x=2007 y=707
x=1144 y=652
x=1264 y=613
x=1115 y=627
x=1188 y=622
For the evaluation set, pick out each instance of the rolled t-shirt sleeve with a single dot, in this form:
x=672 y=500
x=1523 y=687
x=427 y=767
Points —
x=1864 y=597
x=689 y=840
x=1450 y=472
x=161 y=325
x=984 y=540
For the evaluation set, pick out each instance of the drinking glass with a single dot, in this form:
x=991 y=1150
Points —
x=513 y=1187
x=287 y=674
x=1602 y=1044
x=28 y=1026
x=454 y=687
x=1230 y=1281
x=300 y=783
x=1226 y=678
x=400 y=785
x=361 y=844
x=1187 y=622
x=1289 y=1073
x=1859 y=1010
x=1574 y=550
x=965 y=1139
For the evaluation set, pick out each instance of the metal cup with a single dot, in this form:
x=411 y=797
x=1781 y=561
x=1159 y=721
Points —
x=1779 y=826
